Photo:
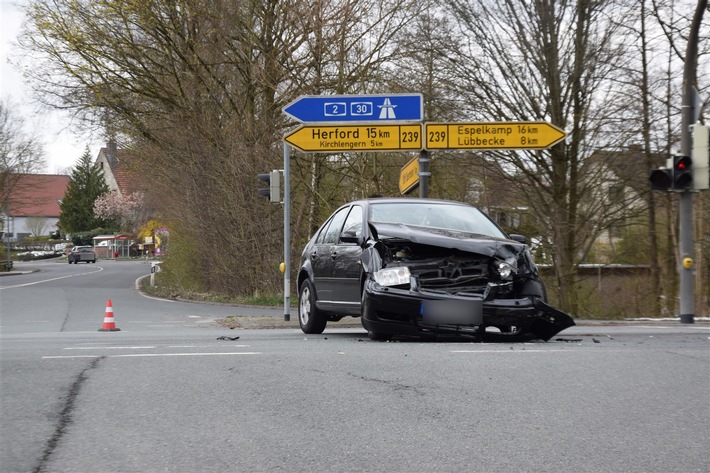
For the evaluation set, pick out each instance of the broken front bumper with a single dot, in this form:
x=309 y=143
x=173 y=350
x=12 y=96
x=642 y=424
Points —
x=396 y=311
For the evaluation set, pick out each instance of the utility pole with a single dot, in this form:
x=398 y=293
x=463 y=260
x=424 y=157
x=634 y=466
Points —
x=689 y=116
x=424 y=174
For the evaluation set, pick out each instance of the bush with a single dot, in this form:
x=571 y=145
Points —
x=3 y=260
x=36 y=255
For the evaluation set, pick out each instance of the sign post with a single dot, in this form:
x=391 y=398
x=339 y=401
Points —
x=287 y=232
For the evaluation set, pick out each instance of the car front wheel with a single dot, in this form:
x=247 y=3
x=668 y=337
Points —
x=310 y=318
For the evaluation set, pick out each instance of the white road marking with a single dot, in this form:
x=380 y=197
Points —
x=671 y=328
x=153 y=355
x=513 y=351
x=98 y=269
x=108 y=348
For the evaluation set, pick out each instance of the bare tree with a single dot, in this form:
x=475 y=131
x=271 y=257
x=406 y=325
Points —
x=195 y=88
x=551 y=61
x=674 y=18
x=37 y=225
x=19 y=154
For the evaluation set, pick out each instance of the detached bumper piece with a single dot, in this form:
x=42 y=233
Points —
x=401 y=312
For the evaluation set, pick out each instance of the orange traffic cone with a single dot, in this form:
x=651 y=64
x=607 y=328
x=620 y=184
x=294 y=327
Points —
x=109 y=324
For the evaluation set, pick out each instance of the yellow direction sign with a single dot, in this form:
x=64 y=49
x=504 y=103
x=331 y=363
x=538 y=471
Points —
x=409 y=176
x=366 y=137
x=492 y=135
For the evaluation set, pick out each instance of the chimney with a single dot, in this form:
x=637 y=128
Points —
x=112 y=152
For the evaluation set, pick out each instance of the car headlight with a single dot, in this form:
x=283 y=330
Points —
x=392 y=276
x=506 y=268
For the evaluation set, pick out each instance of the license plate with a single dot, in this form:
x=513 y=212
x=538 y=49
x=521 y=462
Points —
x=453 y=312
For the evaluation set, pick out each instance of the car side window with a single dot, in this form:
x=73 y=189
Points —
x=336 y=223
x=321 y=233
x=354 y=221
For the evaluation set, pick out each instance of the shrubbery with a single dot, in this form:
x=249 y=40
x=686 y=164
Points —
x=37 y=255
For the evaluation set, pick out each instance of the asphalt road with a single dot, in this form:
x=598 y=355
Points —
x=173 y=391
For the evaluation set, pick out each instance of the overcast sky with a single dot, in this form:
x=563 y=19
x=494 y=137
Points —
x=62 y=148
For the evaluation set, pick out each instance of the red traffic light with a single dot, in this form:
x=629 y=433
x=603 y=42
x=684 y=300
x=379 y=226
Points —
x=682 y=172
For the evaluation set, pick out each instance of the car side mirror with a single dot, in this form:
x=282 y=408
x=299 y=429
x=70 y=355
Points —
x=518 y=238
x=349 y=236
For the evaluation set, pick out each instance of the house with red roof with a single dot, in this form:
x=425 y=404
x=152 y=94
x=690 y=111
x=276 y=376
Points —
x=33 y=205
x=117 y=178
x=33 y=201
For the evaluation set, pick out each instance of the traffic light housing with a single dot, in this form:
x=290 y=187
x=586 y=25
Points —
x=273 y=192
x=661 y=179
x=677 y=175
x=682 y=172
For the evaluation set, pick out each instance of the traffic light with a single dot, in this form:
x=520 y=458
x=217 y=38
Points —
x=273 y=192
x=701 y=157
x=682 y=172
x=661 y=179
x=677 y=175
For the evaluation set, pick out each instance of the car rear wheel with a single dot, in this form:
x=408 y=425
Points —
x=379 y=337
x=310 y=318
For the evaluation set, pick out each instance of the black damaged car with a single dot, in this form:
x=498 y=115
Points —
x=423 y=267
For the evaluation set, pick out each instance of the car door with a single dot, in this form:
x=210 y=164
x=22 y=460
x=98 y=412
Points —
x=321 y=257
x=346 y=263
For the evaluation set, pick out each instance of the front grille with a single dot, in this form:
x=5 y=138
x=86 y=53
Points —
x=470 y=275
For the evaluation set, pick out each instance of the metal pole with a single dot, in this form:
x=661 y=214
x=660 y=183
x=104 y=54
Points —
x=424 y=174
x=287 y=232
x=687 y=275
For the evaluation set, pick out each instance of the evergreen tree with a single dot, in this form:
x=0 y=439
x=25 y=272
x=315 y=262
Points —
x=86 y=184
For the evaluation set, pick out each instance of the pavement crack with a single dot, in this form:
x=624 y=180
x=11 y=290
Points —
x=65 y=416
x=394 y=385
x=64 y=322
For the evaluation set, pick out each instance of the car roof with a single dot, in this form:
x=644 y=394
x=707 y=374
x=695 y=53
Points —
x=407 y=200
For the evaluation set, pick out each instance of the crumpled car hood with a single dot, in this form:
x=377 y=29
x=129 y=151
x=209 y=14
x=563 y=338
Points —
x=463 y=241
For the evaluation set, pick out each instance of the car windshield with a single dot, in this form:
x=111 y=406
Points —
x=461 y=218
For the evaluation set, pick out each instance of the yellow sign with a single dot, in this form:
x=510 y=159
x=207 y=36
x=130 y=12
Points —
x=409 y=176
x=367 y=137
x=493 y=135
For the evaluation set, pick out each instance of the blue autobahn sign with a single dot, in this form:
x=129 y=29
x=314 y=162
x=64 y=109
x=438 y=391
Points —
x=357 y=108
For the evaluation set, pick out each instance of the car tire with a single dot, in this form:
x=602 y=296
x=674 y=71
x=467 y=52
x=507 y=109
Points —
x=311 y=320
x=379 y=337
